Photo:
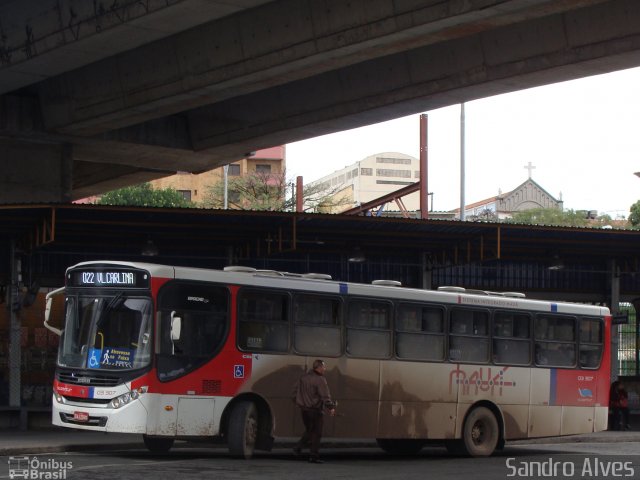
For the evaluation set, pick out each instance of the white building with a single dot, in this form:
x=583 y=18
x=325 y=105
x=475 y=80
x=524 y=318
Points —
x=371 y=178
x=384 y=173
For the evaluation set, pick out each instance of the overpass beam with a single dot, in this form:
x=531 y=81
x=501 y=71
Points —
x=268 y=46
x=35 y=172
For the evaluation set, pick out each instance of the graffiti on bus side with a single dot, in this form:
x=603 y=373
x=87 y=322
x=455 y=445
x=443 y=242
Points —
x=482 y=379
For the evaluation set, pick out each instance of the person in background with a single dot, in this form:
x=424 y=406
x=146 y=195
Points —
x=312 y=396
x=619 y=405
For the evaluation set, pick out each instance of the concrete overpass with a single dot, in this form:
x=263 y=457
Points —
x=96 y=95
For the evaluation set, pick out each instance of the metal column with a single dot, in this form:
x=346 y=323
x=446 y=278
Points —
x=614 y=306
x=15 y=353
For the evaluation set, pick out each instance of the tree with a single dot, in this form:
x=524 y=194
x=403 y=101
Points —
x=144 y=195
x=254 y=191
x=266 y=192
x=634 y=216
x=550 y=216
x=606 y=221
x=486 y=215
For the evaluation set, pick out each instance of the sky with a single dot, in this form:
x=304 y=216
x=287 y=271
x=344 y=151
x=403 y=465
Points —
x=582 y=137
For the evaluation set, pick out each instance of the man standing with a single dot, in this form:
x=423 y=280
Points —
x=313 y=397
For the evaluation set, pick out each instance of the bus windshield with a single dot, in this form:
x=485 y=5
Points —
x=106 y=332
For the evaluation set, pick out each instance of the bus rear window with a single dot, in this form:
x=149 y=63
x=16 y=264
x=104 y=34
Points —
x=591 y=335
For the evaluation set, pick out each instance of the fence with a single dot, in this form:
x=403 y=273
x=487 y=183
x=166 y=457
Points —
x=628 y=364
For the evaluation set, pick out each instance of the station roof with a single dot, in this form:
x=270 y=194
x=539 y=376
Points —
x=190 y=236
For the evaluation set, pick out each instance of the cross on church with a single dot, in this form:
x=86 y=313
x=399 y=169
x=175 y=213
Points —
x=529 y=167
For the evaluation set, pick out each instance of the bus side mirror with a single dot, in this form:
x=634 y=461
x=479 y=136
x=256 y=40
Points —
x=176 y=326
x=47 y=310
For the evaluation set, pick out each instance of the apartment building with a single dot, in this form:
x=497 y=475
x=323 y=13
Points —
x=195 y=186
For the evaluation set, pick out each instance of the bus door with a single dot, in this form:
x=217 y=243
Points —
x=192 y=328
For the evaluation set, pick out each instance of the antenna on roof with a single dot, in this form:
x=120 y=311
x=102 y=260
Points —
x=239 y=269
x=387 y=283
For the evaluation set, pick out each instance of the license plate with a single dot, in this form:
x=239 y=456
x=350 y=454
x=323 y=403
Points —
x=81 y=416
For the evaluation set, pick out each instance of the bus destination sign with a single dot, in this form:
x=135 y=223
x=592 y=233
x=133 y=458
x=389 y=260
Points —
x=109 y=278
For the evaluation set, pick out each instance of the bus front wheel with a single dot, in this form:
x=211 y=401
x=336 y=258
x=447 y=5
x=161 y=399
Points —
x=157 y=445
x=243 y=429
x=480 y=434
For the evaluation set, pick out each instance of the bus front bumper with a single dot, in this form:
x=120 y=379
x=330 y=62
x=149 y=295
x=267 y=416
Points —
x=130 y=418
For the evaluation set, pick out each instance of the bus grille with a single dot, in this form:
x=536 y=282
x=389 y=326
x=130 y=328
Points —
x=211 y=386
x=92 y=401
x=92 y=380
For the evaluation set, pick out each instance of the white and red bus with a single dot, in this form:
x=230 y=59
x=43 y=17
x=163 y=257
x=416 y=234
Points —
x=184 y=353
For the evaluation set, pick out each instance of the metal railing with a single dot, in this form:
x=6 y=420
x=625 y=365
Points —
x=628 y=364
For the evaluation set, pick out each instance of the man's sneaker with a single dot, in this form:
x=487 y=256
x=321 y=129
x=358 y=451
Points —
x=315 y=460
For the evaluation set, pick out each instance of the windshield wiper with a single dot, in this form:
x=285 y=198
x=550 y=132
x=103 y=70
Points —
x=115 y=302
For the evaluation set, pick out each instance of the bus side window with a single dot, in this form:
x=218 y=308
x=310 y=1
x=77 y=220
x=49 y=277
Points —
x=204 y=311
x=369 y=328
x=263 y=318
x=419 y=332
x=469 y=335
x=317 y=325
x=555 y=337
x=511 y=345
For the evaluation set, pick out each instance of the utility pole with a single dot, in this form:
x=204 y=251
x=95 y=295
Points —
x=424 y=187
x=462 y=159
x=225 y=169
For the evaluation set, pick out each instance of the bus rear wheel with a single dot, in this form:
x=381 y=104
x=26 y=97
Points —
x=157 y=445
x=405 y=446
x=243 y=429
x=480 y=434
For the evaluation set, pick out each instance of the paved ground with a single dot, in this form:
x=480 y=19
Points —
x=14 y=442
x=600 y=453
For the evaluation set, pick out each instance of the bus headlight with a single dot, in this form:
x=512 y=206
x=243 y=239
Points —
x=59 y=398
x=125 y=398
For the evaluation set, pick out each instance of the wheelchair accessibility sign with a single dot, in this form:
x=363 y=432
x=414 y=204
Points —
x=93 y=360
x=238 y=371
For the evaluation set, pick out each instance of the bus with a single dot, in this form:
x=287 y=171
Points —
x=173 y=352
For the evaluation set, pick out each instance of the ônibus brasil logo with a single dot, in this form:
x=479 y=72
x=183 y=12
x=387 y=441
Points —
x=38 y=469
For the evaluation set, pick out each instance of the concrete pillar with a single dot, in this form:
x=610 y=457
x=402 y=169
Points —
x=35 y=173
